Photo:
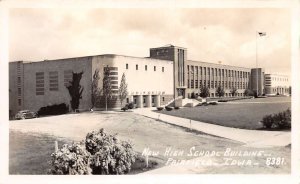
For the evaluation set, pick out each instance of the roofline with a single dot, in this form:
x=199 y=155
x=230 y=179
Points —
x=219 y=64
x=168 y=46
x=101 y=55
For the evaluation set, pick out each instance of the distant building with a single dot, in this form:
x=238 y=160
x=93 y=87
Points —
x=152 y=81
x=277 y=84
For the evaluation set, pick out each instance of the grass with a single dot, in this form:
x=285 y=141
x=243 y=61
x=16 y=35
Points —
x=32 y=141
x=30 y=154
x=245 y=114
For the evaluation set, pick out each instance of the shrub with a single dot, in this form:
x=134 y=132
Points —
x=213 y=103
x=53 y=109
x=124 y=108
x=169 y=108
x=101 y=153
x=159 y=108
x=267 y=121
x=193 y=96
x=249 y=92
x=109 y=155
x=176 y=108
x=222 y=100
x=281 y=120
x=70 y=159
x=205 y=103
x=130 y=105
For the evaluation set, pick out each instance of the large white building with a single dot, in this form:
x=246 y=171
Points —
x=152 y=81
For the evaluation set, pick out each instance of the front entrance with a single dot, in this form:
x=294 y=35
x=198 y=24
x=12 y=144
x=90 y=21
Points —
x=181 y=92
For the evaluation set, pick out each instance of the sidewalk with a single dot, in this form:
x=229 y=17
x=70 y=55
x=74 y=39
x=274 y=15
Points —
x=253 y=138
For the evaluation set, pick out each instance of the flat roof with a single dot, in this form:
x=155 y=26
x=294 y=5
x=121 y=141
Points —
x=219 y=64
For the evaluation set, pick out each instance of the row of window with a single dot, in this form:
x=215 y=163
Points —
x=53 y=81
x=216 y=72
x=146 y=67
x=276 y=79
x=214 y=84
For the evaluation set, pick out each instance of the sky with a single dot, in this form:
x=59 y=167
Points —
x=210 y=35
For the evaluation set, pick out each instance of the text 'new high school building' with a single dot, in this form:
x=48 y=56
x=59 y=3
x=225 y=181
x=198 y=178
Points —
x=152 y=81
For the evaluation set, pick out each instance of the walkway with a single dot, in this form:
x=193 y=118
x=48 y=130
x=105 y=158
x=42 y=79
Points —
x=253 y=138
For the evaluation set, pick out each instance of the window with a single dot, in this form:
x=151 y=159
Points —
x=68 y=77
x=53 y=81
x=19 y=91
x=136 y=67
x=154 y=68
x=19 y=80
x=192 y=83
x=163 y=99
x=145 y=67
x=127 y=66
x=19 y=102
x=127 y=100
x=163 y=69
x=39 y=77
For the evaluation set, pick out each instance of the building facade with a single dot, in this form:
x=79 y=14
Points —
x=152 y=81
x=277 y=84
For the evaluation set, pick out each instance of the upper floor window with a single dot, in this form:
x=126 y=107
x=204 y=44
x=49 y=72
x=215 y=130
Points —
x=136 y=67
x=39 y=77
x=146 y=67
x=154 y=68
x=126 y=65
x=163 y=69
x=53 y=81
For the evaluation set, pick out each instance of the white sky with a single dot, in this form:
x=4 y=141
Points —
x=210 y=35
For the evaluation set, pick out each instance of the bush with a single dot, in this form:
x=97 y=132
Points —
x=159 y=108
x=249 y=92
x=102 y=153
x=213 y=103
x=176 y=108
x=71 y=159
x=222 y=100
x=280 y=120
x=124 y=108
x=169 y=108
x=53 y=109
x=109 y=155
x=130 y=105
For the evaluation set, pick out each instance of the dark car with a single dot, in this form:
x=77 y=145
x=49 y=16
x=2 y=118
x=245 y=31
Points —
x=25 y=114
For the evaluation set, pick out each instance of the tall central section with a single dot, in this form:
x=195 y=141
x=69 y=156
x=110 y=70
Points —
x=179 y=56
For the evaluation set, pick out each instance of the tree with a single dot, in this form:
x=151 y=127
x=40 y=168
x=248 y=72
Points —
x=233 y=91
x=123 y=89
x=204 y=92
x=95 y=88
x=75 y=90
x=249 y=92
x=220 y=91
x=107 y=90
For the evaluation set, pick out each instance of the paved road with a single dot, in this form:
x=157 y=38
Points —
x=255 y=138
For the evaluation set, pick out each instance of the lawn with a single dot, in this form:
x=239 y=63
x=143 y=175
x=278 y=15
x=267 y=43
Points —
x=245 y=114
x=32 y=141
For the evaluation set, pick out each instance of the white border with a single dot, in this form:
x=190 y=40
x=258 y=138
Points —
x=232 y=178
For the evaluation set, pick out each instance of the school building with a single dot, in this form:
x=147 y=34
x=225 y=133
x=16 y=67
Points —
x=152 y=81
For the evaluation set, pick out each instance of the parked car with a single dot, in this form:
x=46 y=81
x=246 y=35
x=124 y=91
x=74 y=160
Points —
x=25 y=114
